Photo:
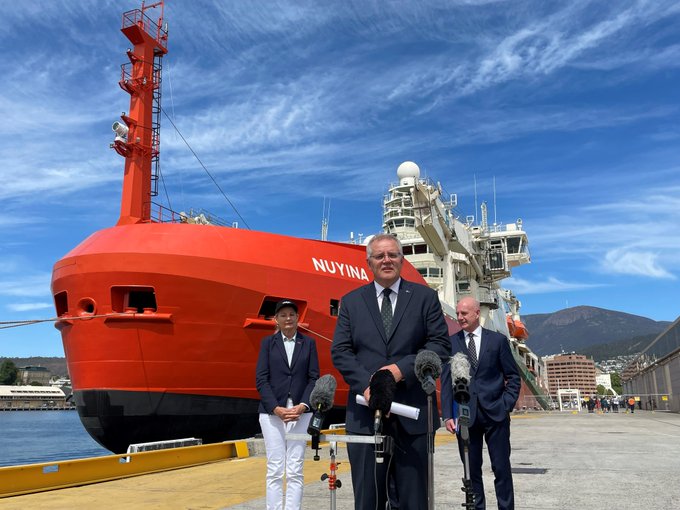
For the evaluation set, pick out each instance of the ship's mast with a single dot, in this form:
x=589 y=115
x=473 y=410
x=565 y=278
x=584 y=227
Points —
x=137 y=138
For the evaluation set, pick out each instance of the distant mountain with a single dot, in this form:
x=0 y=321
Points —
x=582 y=327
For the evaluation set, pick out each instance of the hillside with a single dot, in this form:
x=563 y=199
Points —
x=601 y=352
x=581 y=327
x=55 y=365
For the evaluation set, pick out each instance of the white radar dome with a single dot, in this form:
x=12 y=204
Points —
x=408 y=172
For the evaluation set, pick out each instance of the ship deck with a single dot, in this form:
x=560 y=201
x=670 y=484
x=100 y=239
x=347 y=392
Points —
x=560 y=460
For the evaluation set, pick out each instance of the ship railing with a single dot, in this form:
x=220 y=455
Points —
x=129 y=83
x=405 y=212
x=162 y=214
x=137 y=17
x=450 y=200
x=505 y=227
x=530 y=379
x=527 y=403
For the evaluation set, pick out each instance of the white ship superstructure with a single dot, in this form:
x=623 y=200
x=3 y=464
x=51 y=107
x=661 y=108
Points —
x=460 y=258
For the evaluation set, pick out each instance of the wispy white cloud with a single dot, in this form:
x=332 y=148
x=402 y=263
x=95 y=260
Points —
x=625 y=232
x=29 y=307
x=521 y=286
x=33 y=285
x=635 y=262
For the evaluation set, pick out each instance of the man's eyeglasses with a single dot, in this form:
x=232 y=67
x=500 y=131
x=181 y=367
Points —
x=389 y=255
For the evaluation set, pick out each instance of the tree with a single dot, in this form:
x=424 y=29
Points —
x=616 y=382
x=601 y=390
x=9 y=373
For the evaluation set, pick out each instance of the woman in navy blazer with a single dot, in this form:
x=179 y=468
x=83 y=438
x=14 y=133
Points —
x=287 y=369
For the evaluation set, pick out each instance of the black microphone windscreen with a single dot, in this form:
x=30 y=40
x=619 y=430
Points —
x=427 y=361
x=382 y=387
x=460 y=367
x=323 y=393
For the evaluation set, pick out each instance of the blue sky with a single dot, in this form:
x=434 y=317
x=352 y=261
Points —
x=573 y=108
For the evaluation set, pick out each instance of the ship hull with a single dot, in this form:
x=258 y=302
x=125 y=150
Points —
x=162 y=323
x=117 y=418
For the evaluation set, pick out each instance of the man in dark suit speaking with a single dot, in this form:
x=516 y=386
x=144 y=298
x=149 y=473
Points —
x=383 y=325
x=494 y=389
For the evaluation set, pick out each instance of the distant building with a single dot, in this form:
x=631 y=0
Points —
x=30 y=375
x=30 y=398
x=654 y=375
x=571 y=371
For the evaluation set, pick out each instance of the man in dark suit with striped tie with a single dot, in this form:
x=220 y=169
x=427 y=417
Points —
x=494 y=389
x=383 y=325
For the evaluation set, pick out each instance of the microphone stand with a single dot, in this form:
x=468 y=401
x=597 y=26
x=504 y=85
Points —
x=430 y=454
x=333 y=483
x=464 y=424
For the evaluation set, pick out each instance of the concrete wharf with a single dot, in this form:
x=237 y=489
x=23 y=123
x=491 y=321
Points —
x=560 y=461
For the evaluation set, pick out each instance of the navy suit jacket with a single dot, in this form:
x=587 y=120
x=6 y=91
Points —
x=494 y=385
x=276 y=381
x=360 y=347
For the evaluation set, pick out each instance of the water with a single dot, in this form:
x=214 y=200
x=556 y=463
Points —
x=28 y=437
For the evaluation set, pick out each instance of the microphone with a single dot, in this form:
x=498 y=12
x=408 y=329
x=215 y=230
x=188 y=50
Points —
x=460 y=378
x=321 y=400
x=428 y=367
x=382 y=388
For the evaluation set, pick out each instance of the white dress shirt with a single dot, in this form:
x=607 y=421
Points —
x=289 y=345
x=393 y=295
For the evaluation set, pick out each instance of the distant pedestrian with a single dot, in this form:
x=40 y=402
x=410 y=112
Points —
x=631 y=404
x=615 y=404
x=591 y=404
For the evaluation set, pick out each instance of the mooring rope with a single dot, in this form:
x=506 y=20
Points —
x=315 y=333
x=16 y=324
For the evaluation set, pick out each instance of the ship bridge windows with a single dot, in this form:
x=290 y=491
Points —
x=514 y=244
x=401 y=222
x=133 y=298
x=395 y=213
x=420 y=248
x=463 y=287
x=415 y=249
x=430 y=272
